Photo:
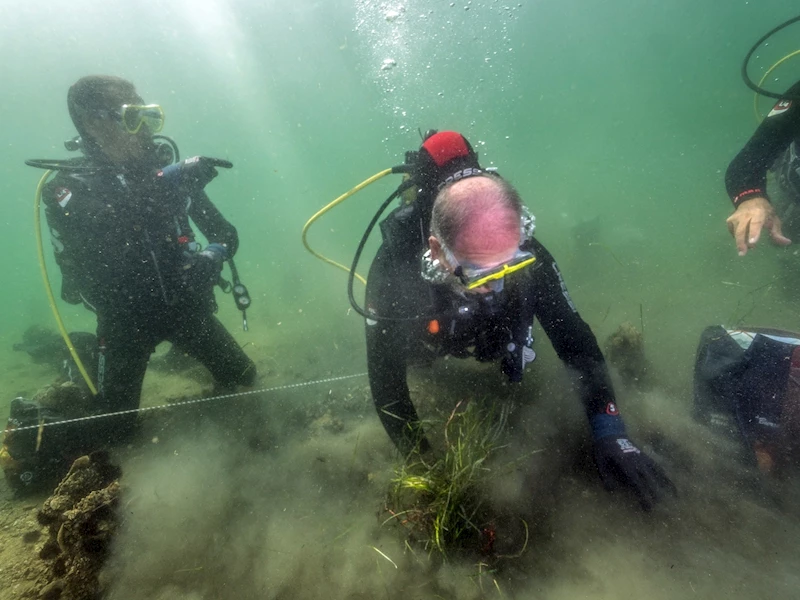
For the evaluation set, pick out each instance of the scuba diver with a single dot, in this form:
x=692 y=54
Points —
x=775 y=146
x=747 y=379
x=119 y=219
x=459 y=273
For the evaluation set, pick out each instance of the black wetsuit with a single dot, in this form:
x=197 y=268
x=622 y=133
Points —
x=499 y=330
x=778 y=134
x=126 y=249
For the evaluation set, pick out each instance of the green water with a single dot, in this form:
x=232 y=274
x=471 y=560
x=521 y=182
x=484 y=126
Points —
x=627 y=112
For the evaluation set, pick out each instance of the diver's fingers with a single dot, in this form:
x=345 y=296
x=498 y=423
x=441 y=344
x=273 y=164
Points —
x=738 y=228
x=776 y=233
x=220 y=162
x=755 y=226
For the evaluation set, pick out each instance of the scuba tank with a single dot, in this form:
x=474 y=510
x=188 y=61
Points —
x=443 y=157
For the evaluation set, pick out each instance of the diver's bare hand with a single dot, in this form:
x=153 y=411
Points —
x=750 y=217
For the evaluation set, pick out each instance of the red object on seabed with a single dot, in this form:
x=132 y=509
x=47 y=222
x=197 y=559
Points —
x=488 y=537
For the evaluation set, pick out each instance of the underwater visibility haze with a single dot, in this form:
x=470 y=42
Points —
x=616 y=122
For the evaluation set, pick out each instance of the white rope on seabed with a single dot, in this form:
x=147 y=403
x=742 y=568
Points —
x=189 y=402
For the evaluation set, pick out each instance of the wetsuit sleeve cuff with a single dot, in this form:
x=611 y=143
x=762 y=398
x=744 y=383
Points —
x=604 y=425
x=747 y=194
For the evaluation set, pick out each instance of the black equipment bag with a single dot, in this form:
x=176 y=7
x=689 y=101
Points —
x=747 y=383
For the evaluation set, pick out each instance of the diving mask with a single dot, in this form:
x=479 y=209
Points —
x=133 y=116
x=433 y=271
x=475 y=277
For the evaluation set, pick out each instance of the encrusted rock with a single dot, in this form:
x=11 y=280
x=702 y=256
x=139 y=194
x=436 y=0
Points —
x=81 y=520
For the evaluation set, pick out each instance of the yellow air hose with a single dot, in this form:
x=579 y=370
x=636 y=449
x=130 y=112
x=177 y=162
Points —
x=51 y=299
x=759 y=118
x=328 y=207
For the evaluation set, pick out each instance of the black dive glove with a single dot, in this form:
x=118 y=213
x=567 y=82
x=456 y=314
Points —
x=620 y=463
x=205 y=267
x=193 y=173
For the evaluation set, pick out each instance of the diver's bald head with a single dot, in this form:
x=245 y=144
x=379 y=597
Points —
x=478 y=215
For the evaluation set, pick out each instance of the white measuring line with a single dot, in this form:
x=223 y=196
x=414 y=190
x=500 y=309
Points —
x=188 y=402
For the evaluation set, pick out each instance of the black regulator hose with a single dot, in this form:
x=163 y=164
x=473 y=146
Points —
x=351 y=277
x=749 y=82
x=70 y=165
x=402 y=188
x=164 y=146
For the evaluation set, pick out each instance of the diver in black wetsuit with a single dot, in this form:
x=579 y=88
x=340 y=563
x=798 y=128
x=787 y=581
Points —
x=479 y=286
x=120 y=227
x=774 y=145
